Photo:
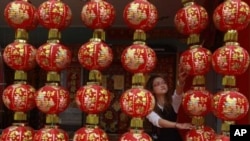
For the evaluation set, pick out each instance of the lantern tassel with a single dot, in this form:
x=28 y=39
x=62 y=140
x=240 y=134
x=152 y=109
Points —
x=139 y=35
x=198 y=121
x=92 y=119
x=54 y=35
x=53 y=76
x=231 y=36
x=228 y=80
x=21 y=34
x=199 y=80
x=20 y=75
x=20 y=116
x=95 y=76
x=100 y=34
x=138 y=79
x=136 y=123
x=52 y=119
x=193 y=39
x=225 y=127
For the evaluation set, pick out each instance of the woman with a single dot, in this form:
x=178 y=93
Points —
x=164 y=115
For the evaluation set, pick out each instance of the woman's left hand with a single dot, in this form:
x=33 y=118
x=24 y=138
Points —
x=184 y=126
x=182 y=75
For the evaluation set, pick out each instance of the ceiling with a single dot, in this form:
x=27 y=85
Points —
x=166 y=10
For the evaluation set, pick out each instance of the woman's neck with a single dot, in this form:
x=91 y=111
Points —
x=160 y=100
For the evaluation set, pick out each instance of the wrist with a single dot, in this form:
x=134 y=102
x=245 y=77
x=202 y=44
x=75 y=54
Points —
x=176 y=125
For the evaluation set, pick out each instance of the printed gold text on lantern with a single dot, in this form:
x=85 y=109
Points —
x=21 y=12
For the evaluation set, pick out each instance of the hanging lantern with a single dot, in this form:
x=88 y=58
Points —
x=230 y=105
x=52 y=99
x=54 y=14
x=51 y=133
x=137 y=102
x=21 y=14
x=90 y=133
x=97 y=14
x=20 y=98
x=95 y=55
x=20 y=55
x=191 y=19
x=140 y=14
x=53 y=56
x=197 y=103
x=135 y=135
x=231 y=15
x=138 y=58
x=93 y=98
x=17 y=133
x=230 y=60
x=202 y=134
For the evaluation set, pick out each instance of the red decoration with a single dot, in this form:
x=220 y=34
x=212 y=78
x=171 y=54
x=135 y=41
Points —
x=231 y=14
x=95 y=54
x=138 y=58
x=53 y=56
x=54 y=14
x=197 y=60
x=203 y=134
x=17 y=133
x=140 y=14
x=137 y=102
x=135 y=135
x=197 y=102
x=93 y=99
x=191 y=19
x=21 y=14
x=51 y=134
x=231 y=59
x=230 y=105
x=52 y=99
x=19 y=97
x=90 y=133
x=221 y=138
x=98 y=14
x=20 y=55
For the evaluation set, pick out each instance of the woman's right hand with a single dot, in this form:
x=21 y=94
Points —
x=184 y=126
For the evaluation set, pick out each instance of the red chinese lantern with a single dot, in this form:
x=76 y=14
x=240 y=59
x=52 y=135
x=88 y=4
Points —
x=138 y=58
x=135 y=135
x=230 y=105
x=196 y=60
x=21 y=14
x=20 y=55
x=231 y=15
x=53 y=56
x=95 y=55
x=140 y=14
x=52 y=99
x=197 y=102
x=230 y=59
x=90 y=133
x=98 y=14
x=221 y=138
x=17 y=133
x=51 y=133
x=93 y=98
x=54 y=14
x=19 y=97
x=137 y=102
x=202 y=134
x=191 y=19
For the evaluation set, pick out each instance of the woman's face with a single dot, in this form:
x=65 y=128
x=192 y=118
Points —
x=160 y=86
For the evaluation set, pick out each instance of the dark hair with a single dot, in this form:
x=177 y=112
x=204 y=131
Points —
x=168 y=95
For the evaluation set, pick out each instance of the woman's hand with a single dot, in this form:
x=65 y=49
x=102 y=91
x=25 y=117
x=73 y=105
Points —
x=182 y=75
x=184 y=126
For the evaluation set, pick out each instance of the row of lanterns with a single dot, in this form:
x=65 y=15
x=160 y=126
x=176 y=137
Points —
x=139 y=59
x=230 y=60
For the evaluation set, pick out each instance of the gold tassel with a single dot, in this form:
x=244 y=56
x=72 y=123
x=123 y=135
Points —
x=225 y=127
x=92 y=119
x=136 y=123
x=21 y=34
x=231 y=36
x=138 y=79
x=139 y=35
x=100 y=34
x=198 y=120
x=52 y=119
x=20 y=75
x=193 y=39
x=228 y=80
x=95 y=76
x=53 y=76
x=20 y=116
x=54 y=34
x=199 y=80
